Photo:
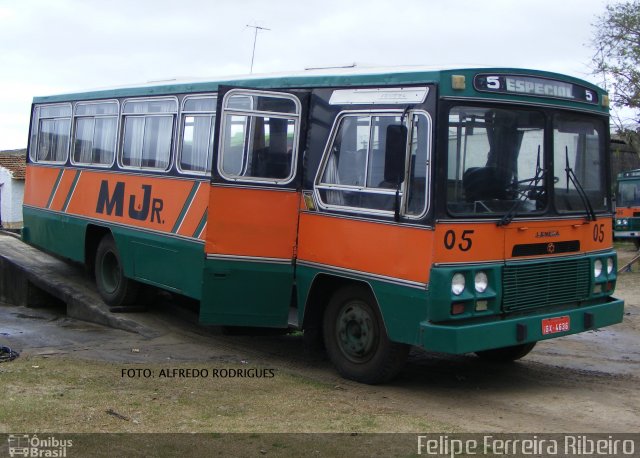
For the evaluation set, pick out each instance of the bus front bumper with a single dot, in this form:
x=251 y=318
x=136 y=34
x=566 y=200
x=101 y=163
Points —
x=626 y=234
x=470 y=337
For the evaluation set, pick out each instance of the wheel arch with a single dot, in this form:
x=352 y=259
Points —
x=93 y=234
x=402 y=308
x=323 y=286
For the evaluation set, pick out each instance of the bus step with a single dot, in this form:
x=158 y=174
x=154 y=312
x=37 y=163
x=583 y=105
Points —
x=293 y=317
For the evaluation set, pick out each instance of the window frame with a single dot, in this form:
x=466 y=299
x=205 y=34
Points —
x=73 y=131
x=35 y=131
x=123 y=136
x=408 y=115
x=181 y=128
x=253 y=113
x=427 y=184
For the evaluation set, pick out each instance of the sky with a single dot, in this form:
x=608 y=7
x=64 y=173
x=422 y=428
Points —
x=56 y=46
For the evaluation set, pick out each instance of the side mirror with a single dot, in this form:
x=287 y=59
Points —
x=395 y=153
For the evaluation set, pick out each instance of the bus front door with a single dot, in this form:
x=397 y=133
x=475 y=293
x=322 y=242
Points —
x=253 y=208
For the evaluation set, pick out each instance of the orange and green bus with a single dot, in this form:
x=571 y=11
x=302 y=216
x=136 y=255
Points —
x=627 y=222
x=463 y=210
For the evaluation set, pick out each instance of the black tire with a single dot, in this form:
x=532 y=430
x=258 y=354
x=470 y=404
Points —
x=356 y=340
x=114 y=288
x=506 y=354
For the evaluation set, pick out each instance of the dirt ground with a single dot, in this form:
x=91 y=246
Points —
x=582 y=383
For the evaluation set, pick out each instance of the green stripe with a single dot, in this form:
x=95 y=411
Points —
x=185 y=208
x=73 y=187
x=55 y=188
x=203 y=221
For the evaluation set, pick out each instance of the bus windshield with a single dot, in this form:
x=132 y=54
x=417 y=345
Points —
x=495 y=162
x=628 y=193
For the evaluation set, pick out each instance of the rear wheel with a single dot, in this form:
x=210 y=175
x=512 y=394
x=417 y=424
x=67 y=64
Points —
x=356 y=339
x=114 y=288
x=506 y=354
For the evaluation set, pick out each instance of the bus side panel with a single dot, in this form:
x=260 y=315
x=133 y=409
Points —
x=40 y=182
x=252 y=222
x=171 y=263
x=393 y=260
x=44 y=226
x=248 y=275
x=54 y=232
x=398 y=252
x=246 y=293
x=157 y=222
x=168 y=262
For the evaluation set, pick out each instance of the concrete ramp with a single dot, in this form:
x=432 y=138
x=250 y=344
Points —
x=30 y=277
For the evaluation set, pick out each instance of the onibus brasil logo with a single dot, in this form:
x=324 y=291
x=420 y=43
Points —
x=33 y=446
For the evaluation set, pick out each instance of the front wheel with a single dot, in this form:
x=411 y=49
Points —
x=506 y=354
x=114 y=288
x=356 y=339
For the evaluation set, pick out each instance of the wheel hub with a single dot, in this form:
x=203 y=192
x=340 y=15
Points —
x=356 y=334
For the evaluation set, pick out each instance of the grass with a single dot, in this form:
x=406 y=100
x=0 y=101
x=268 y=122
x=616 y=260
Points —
x=66 y=398
x=66 y=395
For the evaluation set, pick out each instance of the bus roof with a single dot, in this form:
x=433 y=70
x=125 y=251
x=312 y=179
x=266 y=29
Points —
x=629 y=174
x=334 y=77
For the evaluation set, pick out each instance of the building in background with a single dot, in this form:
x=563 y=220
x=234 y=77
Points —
x=12 y=173
x=623 y=157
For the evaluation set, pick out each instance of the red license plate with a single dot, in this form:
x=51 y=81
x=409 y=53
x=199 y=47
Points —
x=554 y=325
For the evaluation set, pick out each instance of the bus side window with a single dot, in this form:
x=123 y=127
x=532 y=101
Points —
x=52 y=138
x=95 y=132
x=198 y=119
x=148 y=133
x=360 y=173
x=259 y=138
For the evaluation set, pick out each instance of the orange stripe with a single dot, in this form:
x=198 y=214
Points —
x=626 y=212
x=476 y=242
x=63 y=190
x=382 y=249
x=194 y=214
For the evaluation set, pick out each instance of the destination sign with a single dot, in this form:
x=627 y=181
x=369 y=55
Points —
x=538 y=87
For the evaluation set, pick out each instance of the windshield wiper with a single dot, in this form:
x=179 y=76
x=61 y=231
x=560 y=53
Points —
x=540 y=172
x=571 y=176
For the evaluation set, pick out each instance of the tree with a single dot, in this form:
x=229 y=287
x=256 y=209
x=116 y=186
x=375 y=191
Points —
x=617 y=58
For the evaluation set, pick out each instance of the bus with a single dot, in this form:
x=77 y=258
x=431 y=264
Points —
x=459 y=210
x=627 y=222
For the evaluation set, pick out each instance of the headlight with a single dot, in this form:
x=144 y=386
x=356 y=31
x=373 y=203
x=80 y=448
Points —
x=481 y=282
x=609 y=265
x=457 y=284
x=625 y=222
x=597 y=268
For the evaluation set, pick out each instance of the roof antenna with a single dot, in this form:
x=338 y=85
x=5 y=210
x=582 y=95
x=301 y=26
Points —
x=255 y=37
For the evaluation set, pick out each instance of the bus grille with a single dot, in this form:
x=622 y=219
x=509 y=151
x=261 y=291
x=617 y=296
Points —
x=542 y=284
